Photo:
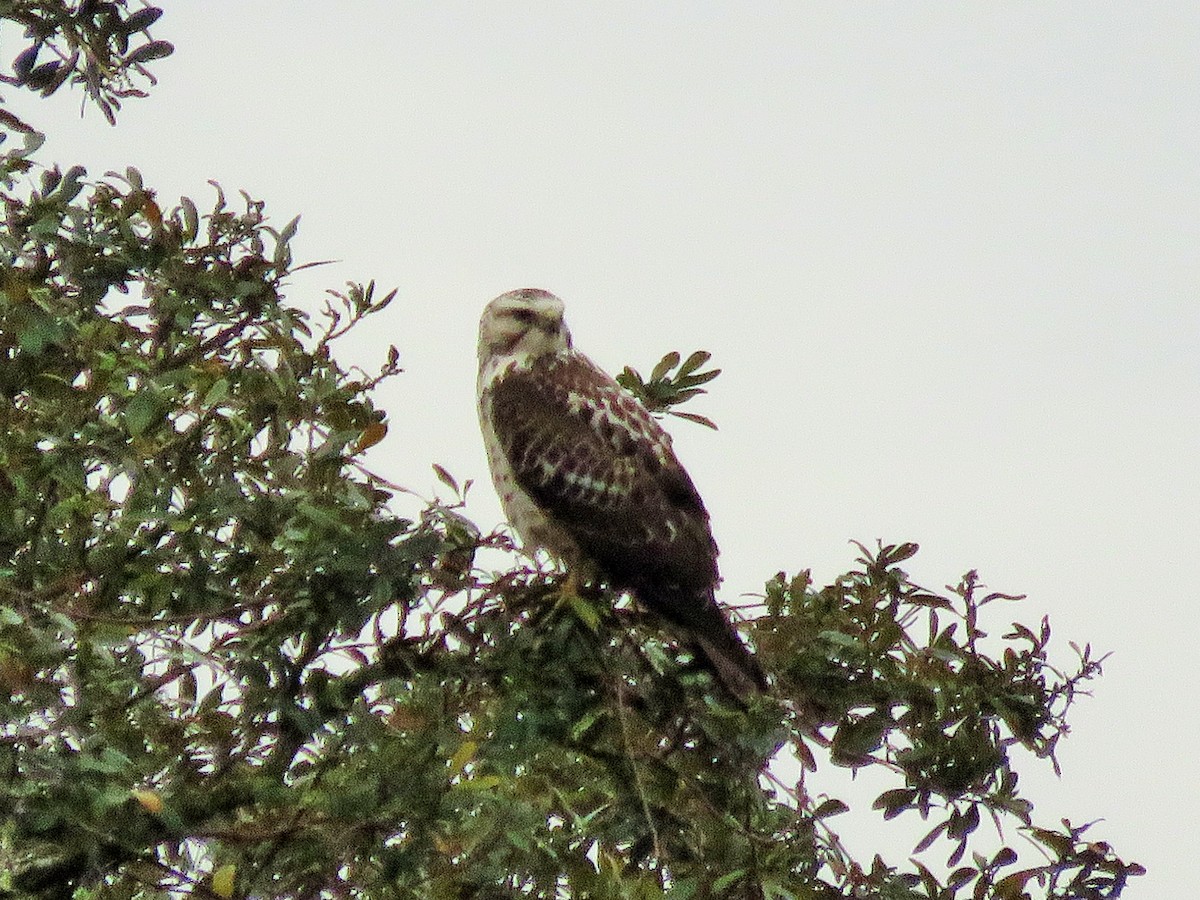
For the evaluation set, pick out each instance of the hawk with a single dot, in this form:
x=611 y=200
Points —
x=585 y=472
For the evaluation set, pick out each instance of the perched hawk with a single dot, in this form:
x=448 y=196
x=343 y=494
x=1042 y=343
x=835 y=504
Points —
x=585 y=472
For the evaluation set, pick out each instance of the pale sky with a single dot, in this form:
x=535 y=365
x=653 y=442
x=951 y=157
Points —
x=948 y=257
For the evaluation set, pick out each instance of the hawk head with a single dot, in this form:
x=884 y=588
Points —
x=525 y=323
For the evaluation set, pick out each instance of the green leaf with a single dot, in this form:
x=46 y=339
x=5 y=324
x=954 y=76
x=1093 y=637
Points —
x=585 y=611
x=462 y=756
x=728 y=880
x=140 y=20
x=934 y=833
x=152 y=50
x=959 y=877
x=694 y=362
x=693 y=417
x=70 y=186
x=191 y=220
x=895 y=801
x=108 y=762
x=143 y=411
x=223 y=880
x=1012 y=887
x=1005 y=856
x=701 y=378
x=218 y=392
x=829 y=808
x=289 y=230
x=481 y=783
x=445 y=477
x=841 y=639
x=40 y=331
x=856 y=739
x=665 y=365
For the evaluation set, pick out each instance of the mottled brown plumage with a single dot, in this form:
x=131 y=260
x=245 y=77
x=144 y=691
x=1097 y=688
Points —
x=586 y=472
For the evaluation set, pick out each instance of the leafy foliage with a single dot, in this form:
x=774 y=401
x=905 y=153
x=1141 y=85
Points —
x=228 y=668
x=88 y=43
x=891 y=675
x=664 y=390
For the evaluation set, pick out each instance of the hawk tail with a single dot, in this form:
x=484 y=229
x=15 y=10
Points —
x=733 y=664
x=704 y=626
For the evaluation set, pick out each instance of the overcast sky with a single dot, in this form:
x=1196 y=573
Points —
x=947 y=255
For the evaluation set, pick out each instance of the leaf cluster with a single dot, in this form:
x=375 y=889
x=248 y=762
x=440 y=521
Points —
x=671 y=383
x=98 y=44
x=888 y=674
x=180 y=537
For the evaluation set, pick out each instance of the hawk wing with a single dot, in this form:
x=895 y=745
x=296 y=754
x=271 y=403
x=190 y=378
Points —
x=595 y=461
x=602 y=469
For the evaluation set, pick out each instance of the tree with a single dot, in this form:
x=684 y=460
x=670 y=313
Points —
x=229 y=668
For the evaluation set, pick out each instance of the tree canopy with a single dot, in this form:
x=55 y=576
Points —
x=230 y=668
